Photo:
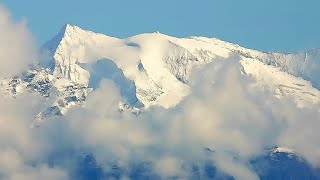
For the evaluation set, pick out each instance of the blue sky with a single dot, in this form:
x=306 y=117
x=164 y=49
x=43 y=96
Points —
x=269 y=25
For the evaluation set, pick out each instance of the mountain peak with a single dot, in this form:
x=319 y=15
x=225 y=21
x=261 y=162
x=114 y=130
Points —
x=69 y=29
x=65 y=29
x=68 y=26
x=53 y=44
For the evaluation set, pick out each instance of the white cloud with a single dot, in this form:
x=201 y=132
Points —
x=227 y=115
x=169 y=167
x=13 y=167
x=224 y=112
x=20 y=146
x=17 y=48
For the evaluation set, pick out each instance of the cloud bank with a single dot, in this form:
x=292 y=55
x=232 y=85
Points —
x=225 y=112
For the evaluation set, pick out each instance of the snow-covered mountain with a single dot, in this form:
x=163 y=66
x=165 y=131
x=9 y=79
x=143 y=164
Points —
x=154 y=69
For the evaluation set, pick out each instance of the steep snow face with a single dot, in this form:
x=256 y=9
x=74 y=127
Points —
x=154 y=69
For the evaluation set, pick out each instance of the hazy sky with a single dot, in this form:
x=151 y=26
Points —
x=278 y=25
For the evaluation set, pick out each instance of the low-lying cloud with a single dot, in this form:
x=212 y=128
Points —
x=224 y=112
x=20 y=146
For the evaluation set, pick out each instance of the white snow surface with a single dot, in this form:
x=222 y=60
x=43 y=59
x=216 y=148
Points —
x=159 y=66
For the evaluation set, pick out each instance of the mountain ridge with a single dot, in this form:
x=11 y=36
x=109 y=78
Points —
x=154 y=69
x=178 y=55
